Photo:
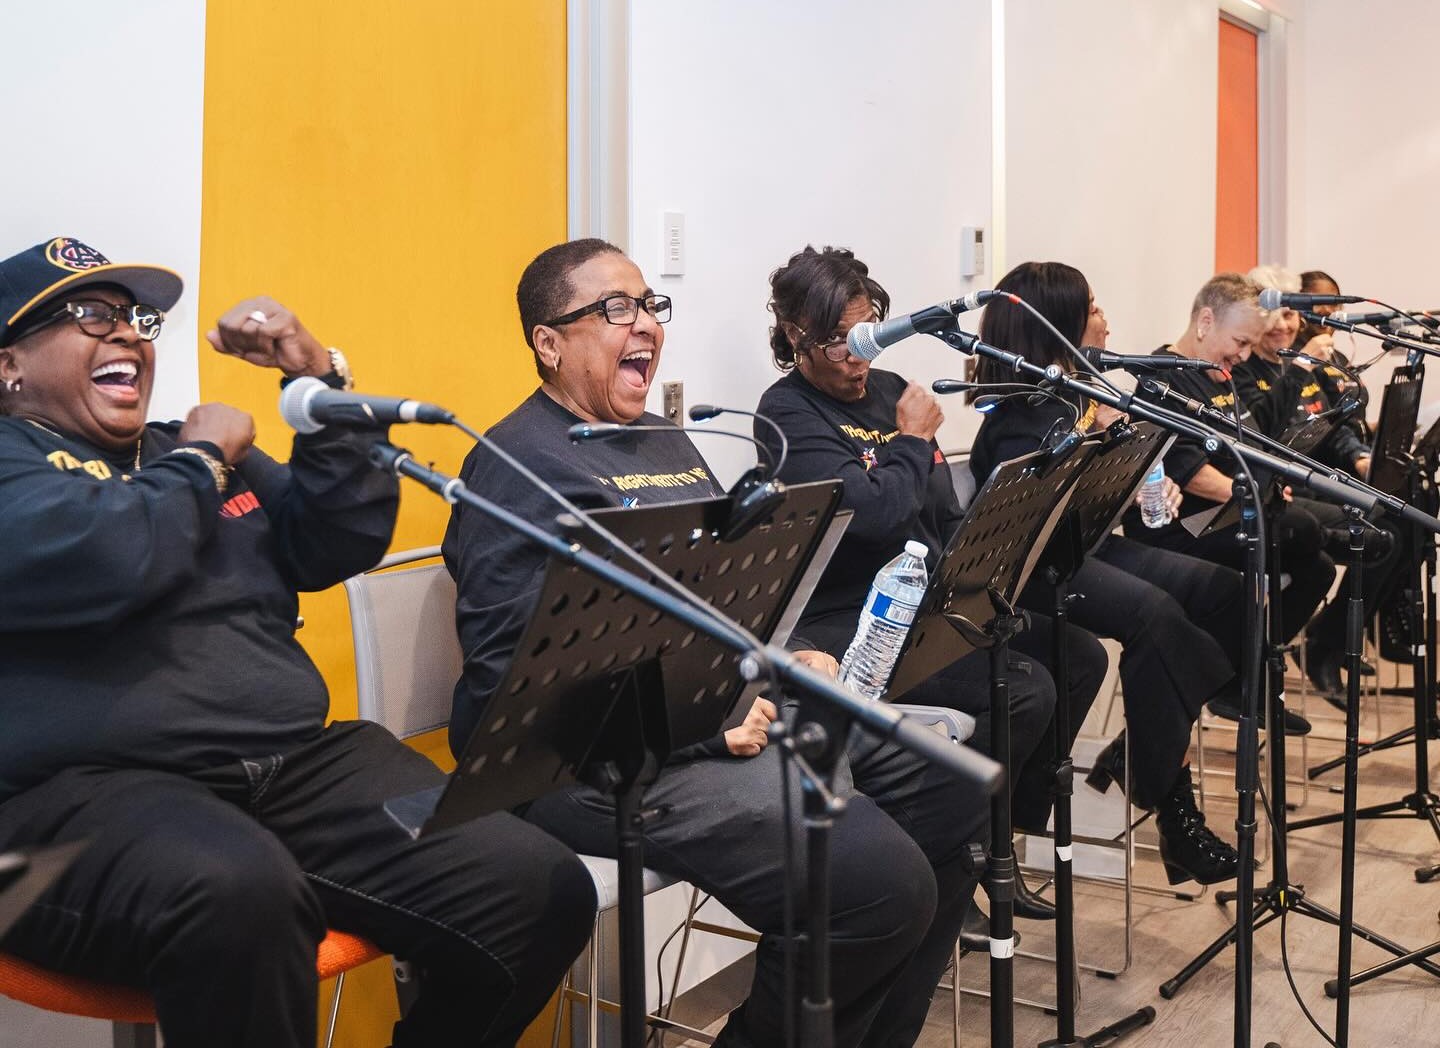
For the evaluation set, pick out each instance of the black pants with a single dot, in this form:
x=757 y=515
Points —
x=212 y=891
x=1384 y=563
x=965 y=685
x=1302 y=557
x=899 y=888
x=1178 y=620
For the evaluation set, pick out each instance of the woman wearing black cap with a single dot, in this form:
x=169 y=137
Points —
x=158 y=707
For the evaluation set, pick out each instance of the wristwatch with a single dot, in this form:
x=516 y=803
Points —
x=341 y=367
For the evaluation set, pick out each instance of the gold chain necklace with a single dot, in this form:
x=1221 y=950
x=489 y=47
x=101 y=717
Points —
x=138 y=444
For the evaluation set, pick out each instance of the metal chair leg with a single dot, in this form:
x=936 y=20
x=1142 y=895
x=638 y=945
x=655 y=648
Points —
x=133 y=1035
x=334 y=1010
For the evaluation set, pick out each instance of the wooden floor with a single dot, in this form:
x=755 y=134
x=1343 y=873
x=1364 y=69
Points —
x=1399 y=1010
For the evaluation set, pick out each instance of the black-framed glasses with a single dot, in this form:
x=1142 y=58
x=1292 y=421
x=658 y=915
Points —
x=835 y=349
x=620 y=309
x=98 y=318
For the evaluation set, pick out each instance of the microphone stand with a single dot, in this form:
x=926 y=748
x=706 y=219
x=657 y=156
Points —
x=759 y=660
x=1323 y=483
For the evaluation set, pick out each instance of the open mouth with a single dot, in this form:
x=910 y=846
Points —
x=636 y=367
x=119 y=379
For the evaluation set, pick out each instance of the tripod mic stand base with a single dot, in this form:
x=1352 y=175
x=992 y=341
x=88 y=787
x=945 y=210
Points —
x=1108 y=1034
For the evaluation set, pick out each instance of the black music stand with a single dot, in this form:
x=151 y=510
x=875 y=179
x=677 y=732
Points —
x=971 y=599
x=603 y=687
x=1114 y=473
x=1395 y=469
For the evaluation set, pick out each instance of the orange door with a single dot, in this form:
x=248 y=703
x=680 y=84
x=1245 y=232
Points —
x=1237 y=174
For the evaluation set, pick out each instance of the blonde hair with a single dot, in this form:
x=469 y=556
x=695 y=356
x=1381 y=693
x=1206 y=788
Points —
x=1278 y=277
x=1224 y=290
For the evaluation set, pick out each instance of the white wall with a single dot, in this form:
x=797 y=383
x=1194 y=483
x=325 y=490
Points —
x=103 y=133
x=1367 y=158
x=773 y=125
x=1111 y=152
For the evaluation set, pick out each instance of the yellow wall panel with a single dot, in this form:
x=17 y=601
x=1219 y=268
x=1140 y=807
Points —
x=385 y=169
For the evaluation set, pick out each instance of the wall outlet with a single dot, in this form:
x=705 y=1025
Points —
x=673 y=398
x=672 y=245
x=972 y=251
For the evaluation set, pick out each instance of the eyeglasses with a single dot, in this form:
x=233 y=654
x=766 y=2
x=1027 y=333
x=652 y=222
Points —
x=97 y=319
x=836 y=349
x=620 y=309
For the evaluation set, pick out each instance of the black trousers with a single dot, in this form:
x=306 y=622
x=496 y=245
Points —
x=1178 y=620
x=898 y=886
x=1302 y=557
x=965 y=685
x=1384 y=564
x=212 y=891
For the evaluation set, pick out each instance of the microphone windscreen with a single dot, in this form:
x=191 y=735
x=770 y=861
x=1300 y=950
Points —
x=861 y=341
x=702 y=412
x=295 y=404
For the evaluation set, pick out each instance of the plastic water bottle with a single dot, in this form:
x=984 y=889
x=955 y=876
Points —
x=886 y=617
x=1153 y=511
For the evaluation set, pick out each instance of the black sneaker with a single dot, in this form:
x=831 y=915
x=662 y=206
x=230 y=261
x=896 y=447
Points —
x=1226 y=709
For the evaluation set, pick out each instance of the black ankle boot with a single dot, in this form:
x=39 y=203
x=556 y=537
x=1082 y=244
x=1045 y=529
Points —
x=1029 y=905
x=1109 y=766
x=975 y=933
x=1188 y=848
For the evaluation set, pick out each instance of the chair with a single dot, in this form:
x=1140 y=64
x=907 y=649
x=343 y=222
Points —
x=407 y=660
x=131 y=1012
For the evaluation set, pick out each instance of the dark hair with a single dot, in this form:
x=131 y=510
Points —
x=545 y=287
x=1312 y=278
x=811 y=290
x=1062 y=296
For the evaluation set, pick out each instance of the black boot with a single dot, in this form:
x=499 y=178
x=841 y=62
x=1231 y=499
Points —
x=975 y=932
x=1028 y=904
x=1188 y=848
x=1109 y=766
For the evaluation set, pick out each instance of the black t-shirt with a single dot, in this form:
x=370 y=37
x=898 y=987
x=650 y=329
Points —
x=498 y=572
x=1016 y=427
x=1266 y=387
x=147 y=622
x=898 y=485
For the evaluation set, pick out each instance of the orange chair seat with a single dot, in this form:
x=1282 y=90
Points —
x=53 y=992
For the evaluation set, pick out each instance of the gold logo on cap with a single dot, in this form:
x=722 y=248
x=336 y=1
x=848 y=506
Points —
x=69 y=253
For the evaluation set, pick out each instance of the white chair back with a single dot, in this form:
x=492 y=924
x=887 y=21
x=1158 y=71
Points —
x=407 y=657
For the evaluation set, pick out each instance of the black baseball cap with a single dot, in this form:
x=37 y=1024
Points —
x=37 y=274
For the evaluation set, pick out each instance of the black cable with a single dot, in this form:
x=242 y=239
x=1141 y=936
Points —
x=657 y=1035
x=1295 y=990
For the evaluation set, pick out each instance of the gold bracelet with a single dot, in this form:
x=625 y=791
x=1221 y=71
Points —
x=218 y=470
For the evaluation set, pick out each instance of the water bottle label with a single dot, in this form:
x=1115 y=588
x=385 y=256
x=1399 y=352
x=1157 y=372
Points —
x=892 y=610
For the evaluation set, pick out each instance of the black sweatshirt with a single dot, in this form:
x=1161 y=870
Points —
x=1257 y=380
x=1016 y=427
x=146 y=623
x=498 y=572
x=1187 y=455
x=898 y=485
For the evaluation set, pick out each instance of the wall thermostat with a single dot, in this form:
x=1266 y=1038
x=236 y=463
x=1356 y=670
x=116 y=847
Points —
x=972 y=251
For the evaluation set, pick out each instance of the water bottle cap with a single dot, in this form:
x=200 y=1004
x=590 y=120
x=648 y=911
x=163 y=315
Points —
x=917 y=549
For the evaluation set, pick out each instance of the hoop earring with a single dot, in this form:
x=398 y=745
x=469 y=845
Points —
x=13 y=386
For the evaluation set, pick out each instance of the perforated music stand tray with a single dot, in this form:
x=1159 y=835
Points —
x=1111 y=480
x=1394 y=432
x=601 y=676
x=994 y=551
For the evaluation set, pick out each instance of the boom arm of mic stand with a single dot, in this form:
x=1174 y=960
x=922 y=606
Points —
x=878 y=718
x=1347 y=492
x=1356 y=329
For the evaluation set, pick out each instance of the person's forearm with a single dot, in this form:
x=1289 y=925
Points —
x=1209 y=483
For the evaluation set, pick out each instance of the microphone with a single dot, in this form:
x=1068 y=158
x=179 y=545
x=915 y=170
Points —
x=1107 y=361
x=705 y=412
x=755 y=496
x=1274 y=298
x=1389 y=318
x=866 y=340
x=308 y=405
